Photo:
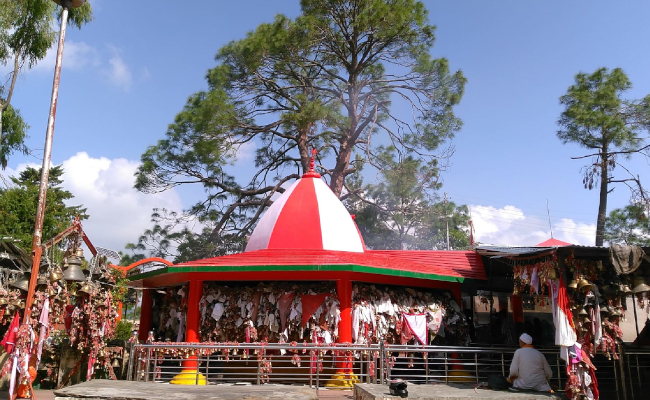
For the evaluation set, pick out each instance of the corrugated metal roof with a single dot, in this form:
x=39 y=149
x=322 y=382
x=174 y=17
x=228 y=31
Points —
x=460 y=264
x=504 y=251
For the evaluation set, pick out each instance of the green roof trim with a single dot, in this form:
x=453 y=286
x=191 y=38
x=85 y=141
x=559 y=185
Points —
x=257 y=268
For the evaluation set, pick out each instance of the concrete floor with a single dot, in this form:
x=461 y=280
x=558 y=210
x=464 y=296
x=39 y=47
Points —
x=323 y=394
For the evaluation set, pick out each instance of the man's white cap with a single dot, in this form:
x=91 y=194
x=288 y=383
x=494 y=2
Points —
x=526 y=338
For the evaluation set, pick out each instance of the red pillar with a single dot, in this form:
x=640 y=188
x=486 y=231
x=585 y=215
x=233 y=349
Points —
x=190 y=374
x=344 y=292
x=193 y=317
x=517 y=308
x=145 y=315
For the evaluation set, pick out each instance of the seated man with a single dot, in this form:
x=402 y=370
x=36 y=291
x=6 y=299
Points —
x=529 y=369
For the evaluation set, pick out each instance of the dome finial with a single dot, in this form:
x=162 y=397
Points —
x=312 y=172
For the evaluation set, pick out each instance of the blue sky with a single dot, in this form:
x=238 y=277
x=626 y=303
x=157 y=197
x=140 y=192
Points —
x=126 y=75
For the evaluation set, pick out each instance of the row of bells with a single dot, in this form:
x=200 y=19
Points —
x=584 y=285
x=18 y=303
x=72 y=273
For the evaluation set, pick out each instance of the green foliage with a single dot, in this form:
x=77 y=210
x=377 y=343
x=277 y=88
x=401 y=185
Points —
x=629 y=226
x=123 y=330
x=14 y=133
x=18 y=207
x=171 y=238
x=403 y=212
x=330 y=79
x=597 y=117
x=27 y=31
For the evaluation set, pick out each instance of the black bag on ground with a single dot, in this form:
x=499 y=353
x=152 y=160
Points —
x=497 y=382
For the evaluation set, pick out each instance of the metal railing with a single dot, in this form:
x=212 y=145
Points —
x=287 y=363
x=320 y=365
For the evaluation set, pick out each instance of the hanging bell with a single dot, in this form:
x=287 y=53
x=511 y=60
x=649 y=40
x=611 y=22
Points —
x=56 y=274
x=585 y=286
x=116 y=363
x=604 y=310
x=42 y=281
x=626 y=290
x=85 y=288
x=552 y=274
x=586 y=320
x=51 y=291
x=74 y=273
x=615 y=313
x=3 y=301
x=582 y=312
x=22 y=283
x=640 y=286
x=573 y=285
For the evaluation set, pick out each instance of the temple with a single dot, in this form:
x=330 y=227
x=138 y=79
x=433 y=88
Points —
x=306 y=269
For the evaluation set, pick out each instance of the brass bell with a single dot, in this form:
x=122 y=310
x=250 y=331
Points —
x=582 y=312
x=74 y=273
x=626 y=290
x=552 y=273
x=116 y=363
x=22 y=283
x=604 y=310
x=584 y=285
x=51 y=291
x=85 y=288
x=3 y=301
x=56 y=274
x=615 y=313
x=42 y=281
x=640 y=286
x=80 y=253
x=586 y=320
x=573 y=285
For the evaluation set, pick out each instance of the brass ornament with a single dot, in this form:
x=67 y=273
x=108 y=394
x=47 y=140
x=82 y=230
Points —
x=22 y=283
x=74 y=273
x=585 y=286
x=640 y=285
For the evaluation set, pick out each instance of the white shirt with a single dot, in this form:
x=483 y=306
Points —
x=532 y=370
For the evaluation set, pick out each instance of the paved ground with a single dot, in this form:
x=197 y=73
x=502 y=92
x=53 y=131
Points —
x=323 y=394
x=366 y=391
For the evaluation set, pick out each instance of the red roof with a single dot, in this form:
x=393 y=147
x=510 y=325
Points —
x=552 y=243
x=458 y=264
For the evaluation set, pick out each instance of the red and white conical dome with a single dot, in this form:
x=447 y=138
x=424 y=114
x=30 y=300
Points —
x=307 y=216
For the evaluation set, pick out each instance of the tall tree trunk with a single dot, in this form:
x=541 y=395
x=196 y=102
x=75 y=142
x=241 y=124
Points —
x=602 y=206
x=338 y=174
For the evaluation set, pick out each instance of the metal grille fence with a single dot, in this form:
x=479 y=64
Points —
x=315 y=365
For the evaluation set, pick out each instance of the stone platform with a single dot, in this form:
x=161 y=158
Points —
x=366 y=391
x=101 y=389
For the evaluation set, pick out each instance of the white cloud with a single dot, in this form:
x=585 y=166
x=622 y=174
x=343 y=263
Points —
x=119 y=73
x=81 y=57
x=118 y=213
x=510 y=226
x=246 y=151
x=76 y=56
